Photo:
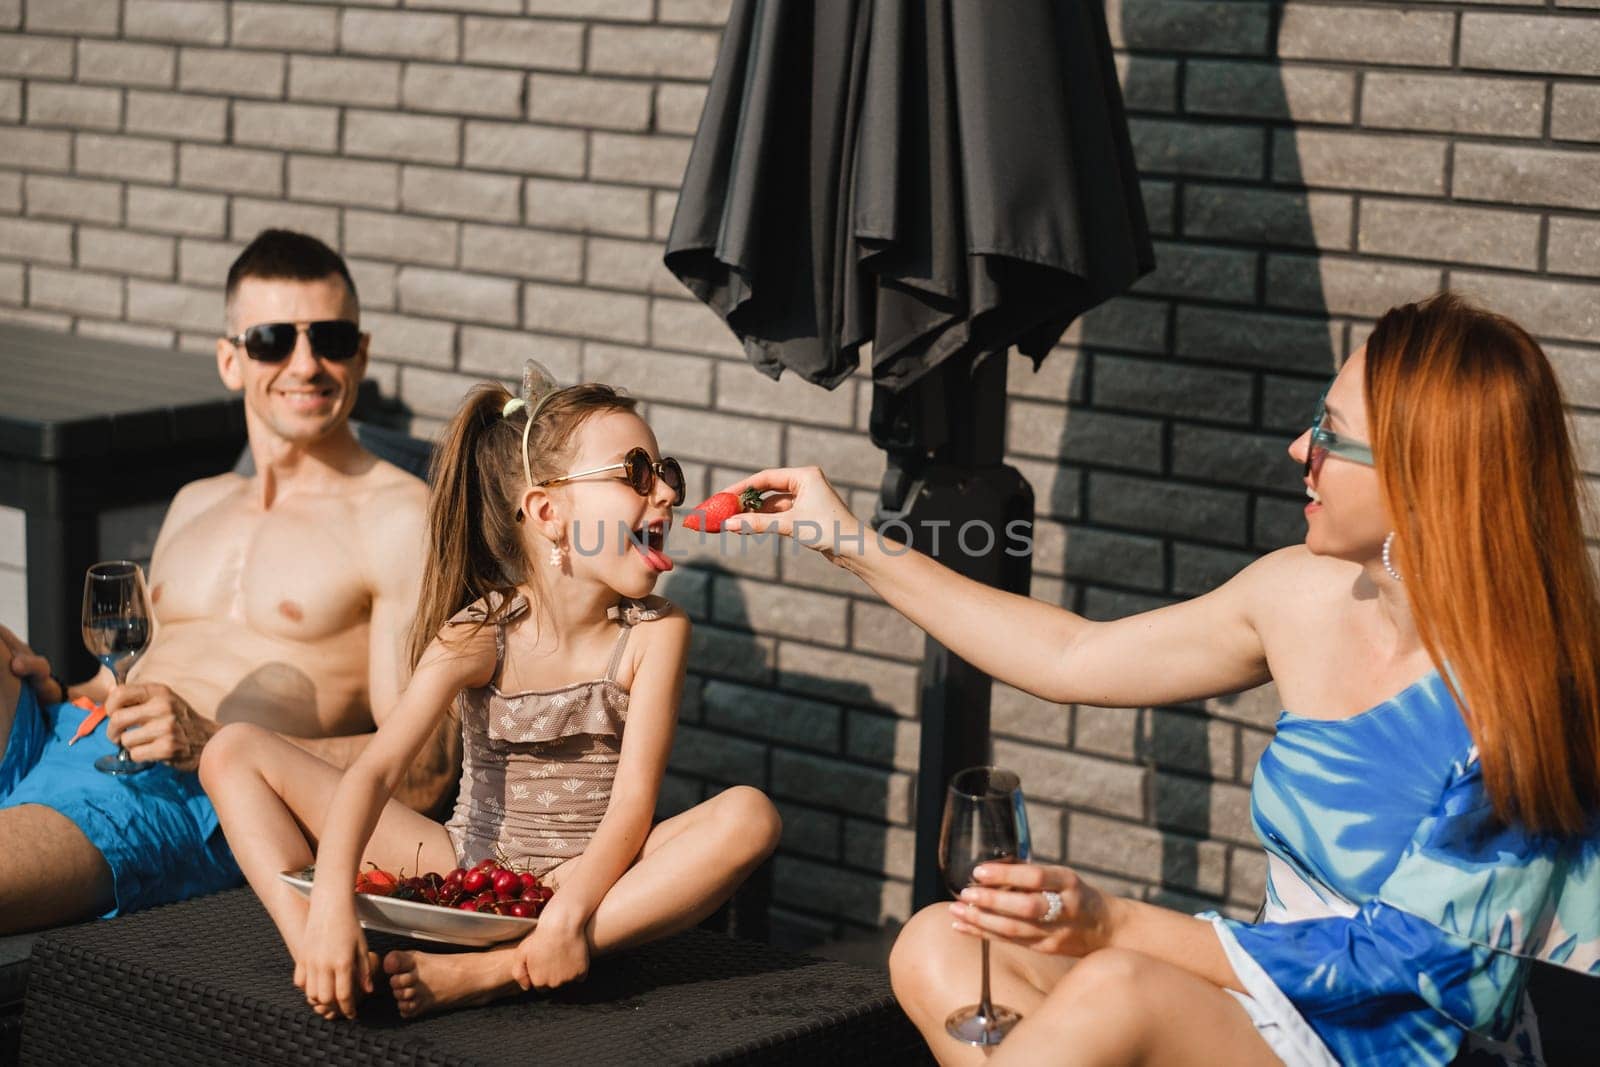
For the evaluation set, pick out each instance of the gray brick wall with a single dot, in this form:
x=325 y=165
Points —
x=501 y=174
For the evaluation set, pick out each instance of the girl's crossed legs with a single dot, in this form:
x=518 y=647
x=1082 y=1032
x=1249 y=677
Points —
x=688 y=866
x=1110 y=1007
x=272 y=798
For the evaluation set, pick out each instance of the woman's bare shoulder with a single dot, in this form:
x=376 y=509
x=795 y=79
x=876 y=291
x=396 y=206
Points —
x=1294 y=580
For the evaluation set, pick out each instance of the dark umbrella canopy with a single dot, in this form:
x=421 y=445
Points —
x=932 y=177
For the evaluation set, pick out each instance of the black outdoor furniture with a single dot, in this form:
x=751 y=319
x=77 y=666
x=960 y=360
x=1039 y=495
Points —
x=14 y=953
x=89 y=425
x=207 y=981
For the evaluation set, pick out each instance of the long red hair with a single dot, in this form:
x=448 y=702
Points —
x=1476 y=464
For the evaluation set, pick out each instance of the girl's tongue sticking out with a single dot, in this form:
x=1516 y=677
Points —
x=650 y=543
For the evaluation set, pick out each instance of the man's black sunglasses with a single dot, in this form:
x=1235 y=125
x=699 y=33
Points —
x=271 y=342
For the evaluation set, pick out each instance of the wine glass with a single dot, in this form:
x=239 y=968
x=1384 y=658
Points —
x=116 y=630
x=984 y=821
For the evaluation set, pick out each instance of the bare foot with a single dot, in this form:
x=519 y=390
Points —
x=424 y=982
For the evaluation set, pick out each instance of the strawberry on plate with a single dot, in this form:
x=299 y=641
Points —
x=719 y=507
x=377 y=882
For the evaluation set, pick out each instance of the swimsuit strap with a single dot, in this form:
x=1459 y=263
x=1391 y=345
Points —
x=616 y=650
x=518 y=608
x=629 y=613
x=499 y=649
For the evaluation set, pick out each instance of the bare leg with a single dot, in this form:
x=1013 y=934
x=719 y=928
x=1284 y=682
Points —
x=935 y=970
x=1112 y=1007
x=1121 y=1007
x=688 y=866
x=51 y=874
x=10 y=694
x=272 y=799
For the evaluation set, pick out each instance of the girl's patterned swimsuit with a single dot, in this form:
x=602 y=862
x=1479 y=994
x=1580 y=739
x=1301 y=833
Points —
x=537 y=766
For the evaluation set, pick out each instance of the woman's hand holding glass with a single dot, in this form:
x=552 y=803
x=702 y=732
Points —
x=1009 y=904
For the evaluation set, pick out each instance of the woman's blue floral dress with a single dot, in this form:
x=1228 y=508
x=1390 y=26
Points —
x=1400 y=915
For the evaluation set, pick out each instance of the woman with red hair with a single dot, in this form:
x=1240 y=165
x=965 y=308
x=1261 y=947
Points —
x=1430 y=803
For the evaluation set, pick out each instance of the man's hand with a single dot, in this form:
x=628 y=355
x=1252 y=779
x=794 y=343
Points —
x=28 y=665
x=154 y=723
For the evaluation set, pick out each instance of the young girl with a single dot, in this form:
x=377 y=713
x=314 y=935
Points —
x=547 y=648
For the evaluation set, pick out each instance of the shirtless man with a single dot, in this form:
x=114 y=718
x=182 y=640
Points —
x=281 y=599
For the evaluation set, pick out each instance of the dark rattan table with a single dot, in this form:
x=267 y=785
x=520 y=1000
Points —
x=88 y=425
x=208 y=982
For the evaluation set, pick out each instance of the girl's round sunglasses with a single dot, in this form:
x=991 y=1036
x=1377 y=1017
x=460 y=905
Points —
x=640 y=472
x=271 y=342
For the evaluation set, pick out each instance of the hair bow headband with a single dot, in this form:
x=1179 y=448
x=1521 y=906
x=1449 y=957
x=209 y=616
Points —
x=538 y=386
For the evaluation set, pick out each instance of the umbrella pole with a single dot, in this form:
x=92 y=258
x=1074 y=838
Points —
x=945 y=438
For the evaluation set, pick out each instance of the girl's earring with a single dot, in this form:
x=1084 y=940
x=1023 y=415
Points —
x=558 y=556
x=1388 y=562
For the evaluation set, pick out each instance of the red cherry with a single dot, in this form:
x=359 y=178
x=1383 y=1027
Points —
x=530 y=895
x=486 y=865
x=475 y=882
x=467 y=905
x=545 y=893
x=456 y=874
x=521 y=909
x=506 y=884
x=529 y=880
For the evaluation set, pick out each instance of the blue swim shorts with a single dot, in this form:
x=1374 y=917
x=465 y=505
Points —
x=157 y=830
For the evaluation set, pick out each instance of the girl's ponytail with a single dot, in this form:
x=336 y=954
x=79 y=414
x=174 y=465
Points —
x=473 y=544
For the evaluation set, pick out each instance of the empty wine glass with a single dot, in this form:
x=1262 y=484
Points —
x=116 y=630
x=984 y=821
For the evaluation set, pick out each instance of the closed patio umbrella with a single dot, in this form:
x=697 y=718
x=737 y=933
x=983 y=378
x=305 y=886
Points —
x=932 y=177
x=933 y=182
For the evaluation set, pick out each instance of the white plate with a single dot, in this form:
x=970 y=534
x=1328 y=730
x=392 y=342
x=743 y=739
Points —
x=413 y=918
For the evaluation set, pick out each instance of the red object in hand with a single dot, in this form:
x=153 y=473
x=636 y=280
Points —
x=719 y=507
x=529 y=880
x=96 y=716
x=475 y=881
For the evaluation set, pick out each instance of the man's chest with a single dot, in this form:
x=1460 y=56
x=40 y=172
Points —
x=295 y=573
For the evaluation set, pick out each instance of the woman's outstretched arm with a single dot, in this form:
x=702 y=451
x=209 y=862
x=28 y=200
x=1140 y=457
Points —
x=1187 y=651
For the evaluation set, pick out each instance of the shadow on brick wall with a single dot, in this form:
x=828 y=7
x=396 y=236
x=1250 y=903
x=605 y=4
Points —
x=822 y=747
x=1184 y=395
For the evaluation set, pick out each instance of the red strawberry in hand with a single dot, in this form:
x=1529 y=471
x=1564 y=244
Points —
x=719 y=507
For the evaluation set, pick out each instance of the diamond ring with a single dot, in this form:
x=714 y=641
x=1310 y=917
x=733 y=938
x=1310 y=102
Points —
x=1052 y=910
